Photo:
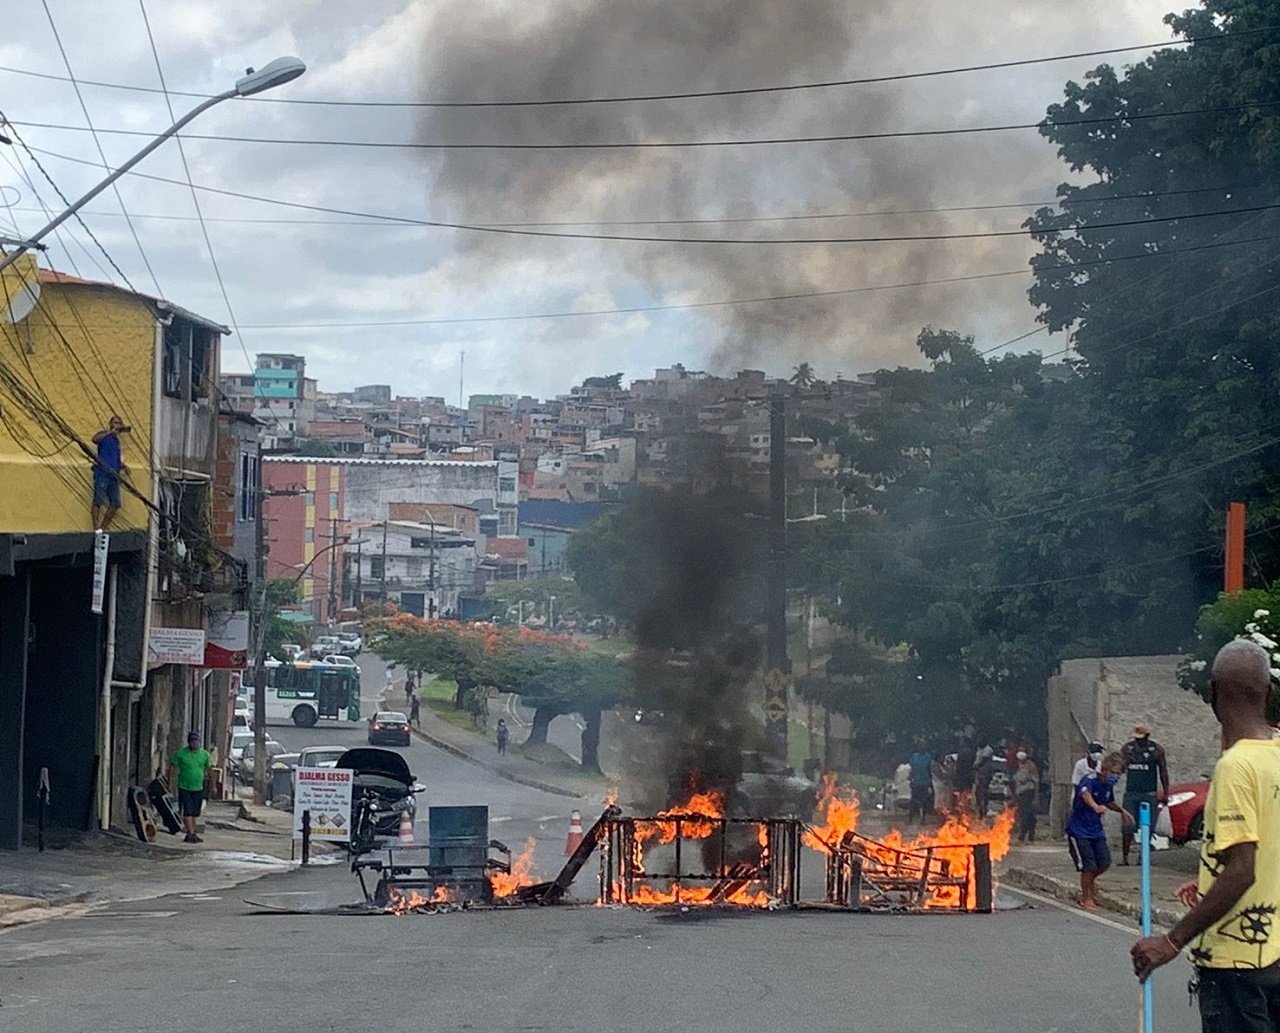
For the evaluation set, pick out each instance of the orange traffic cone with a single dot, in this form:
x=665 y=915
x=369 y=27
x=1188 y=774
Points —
x=406 y=829
x=575 y=834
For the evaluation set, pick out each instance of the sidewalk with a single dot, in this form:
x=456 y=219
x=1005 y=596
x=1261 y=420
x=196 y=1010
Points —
x=480 y=750
x=80 y=871
x=1046 y=868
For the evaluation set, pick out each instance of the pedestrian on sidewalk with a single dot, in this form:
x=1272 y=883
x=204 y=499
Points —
x=962 y=777
x=1086 y=836
x=504 y=735
x=1088 y=764
x=409 y=689
x=391 y=681
x=1026 y=792
x=415 y=713
x=1143 y=760
x=189 y=770
x=983 y=768
x=1232 y=921
x=921 y=784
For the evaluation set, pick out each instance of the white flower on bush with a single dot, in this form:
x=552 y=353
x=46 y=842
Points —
x=1266 y=643
x=1259 y=614
x=1198 y=665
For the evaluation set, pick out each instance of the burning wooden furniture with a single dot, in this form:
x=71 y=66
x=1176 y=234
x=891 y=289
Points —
x=679 y=858
x=865 y=874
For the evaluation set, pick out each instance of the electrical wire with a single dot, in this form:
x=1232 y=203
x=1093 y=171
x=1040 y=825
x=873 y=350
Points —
x=97 y=140
x=698 y=94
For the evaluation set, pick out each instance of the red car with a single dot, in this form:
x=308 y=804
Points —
x=1185 y=809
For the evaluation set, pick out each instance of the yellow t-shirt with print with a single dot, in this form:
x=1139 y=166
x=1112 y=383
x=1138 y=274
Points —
x=1244 y=807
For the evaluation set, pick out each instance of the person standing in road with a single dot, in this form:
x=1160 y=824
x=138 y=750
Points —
x=391 y=683
x=503 y=734
x=1088 y=764
x=1232 y=926
x=1026 y=790
x=1086 y=837
x=1143 y=760
x=409 y=689
x=415 y=712
x=188 y=770
x=921 y=783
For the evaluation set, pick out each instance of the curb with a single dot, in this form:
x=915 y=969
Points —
x=1030 y=879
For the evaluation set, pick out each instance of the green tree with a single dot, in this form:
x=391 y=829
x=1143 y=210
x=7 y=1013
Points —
x=317 y=449
x=803 y=377
x=613 y=382
x=1253 y=614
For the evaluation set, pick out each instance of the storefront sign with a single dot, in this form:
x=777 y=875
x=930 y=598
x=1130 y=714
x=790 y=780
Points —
x=176 y=646
x=101 y=546
x=325 y=794
x=226 y=640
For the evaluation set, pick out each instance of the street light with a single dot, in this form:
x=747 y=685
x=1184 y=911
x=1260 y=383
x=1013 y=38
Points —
x=277 y=73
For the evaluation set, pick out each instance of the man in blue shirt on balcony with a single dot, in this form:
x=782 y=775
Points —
x=107 y=469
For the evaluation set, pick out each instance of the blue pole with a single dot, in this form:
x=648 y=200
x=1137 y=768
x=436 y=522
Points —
x=1144 y=832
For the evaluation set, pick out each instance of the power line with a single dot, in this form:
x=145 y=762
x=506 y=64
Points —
x=627 y=145
x=195 y=198
x=84 y=108
x=715 y=220
x=903 y=238
x=692 y=95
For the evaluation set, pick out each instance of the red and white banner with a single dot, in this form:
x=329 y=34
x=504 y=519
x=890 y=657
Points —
x=226 y=640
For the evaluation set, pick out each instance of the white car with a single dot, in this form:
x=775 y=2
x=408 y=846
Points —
x=320 y=756
x=242 y=719
x=239 y=740
x=338 y=660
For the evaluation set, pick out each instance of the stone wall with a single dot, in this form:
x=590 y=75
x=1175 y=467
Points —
x=1109 y=695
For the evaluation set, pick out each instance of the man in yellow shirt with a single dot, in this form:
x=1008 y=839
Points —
x=1233 y=927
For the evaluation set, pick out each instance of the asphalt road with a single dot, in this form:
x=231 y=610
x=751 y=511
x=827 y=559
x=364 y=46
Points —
x=205 y=961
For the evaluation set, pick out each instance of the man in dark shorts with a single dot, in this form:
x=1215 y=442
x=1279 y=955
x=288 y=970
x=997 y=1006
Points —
x=1143 y=762
x=188 y=770
x=107 y=469
x=1086 y=837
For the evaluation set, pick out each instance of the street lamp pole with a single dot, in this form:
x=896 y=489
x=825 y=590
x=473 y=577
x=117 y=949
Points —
x=278 y=72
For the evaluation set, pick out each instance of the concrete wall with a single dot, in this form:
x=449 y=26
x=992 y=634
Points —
x=1104 y=697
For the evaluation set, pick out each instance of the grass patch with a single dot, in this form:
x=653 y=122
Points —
x=443 y=709
x=610 y=646
x=435 y=689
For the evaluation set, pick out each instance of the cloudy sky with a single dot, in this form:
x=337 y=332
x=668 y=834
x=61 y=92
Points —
x=372 y=301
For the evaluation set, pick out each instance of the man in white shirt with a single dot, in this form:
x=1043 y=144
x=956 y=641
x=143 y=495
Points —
x=1088 y=764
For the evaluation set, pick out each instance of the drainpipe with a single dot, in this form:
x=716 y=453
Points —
x=104 y=708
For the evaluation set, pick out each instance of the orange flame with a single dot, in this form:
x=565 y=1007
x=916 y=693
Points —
x=839 y=810
x=505 y=884
x=406 y=901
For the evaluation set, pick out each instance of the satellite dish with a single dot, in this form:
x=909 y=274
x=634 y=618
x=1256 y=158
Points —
x=19 y=289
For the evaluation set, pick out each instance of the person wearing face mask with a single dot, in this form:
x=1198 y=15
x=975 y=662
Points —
x=1086 y=837
x=1088 y=764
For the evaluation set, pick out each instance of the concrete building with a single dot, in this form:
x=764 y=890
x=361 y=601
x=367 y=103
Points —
x=372 y=394
x=303 y=509
x=424 y=568
x=94 y=698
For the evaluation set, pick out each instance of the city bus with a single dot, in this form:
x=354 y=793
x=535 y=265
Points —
x=304 y=692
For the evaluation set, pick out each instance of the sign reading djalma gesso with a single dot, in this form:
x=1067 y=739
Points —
x=326 y=794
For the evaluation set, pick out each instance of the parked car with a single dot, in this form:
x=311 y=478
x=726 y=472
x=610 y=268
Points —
x=382 y=778
x=242 y=717
x=768 y=786
x=324 y=645
x=243 y=768
x=1183 y=812
x=239 y=739
x=320 y=756
x=350 y=643
x=389 y=726
x=340 y=660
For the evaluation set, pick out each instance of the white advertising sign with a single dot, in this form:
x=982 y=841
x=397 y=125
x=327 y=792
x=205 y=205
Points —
x=101 y=545
x=326 y=794
x=176 y=646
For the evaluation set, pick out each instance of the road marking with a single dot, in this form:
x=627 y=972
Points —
x=501 y=817
x=1078 y=912
x=548 y=817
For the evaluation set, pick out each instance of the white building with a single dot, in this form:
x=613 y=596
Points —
x=421 y=567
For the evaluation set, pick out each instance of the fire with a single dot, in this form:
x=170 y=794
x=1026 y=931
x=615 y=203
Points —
x=946 y=847
x=839 y=810
x=699 y=805
x=406 y=901
x=647 y=895
x=505 y=884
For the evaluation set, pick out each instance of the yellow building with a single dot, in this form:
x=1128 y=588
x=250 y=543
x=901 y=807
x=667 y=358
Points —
x=79 y=693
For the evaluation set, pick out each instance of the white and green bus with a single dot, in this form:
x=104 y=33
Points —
x=304 y=692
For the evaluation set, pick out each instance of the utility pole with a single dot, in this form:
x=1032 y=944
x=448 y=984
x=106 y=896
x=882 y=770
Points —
x=358 y=601
x=777 y=677
x=431 y=573
x=333 y=573
x=383 y=589
x=259 y=648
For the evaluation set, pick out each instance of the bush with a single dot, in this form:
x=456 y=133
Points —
x=1254 y=615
